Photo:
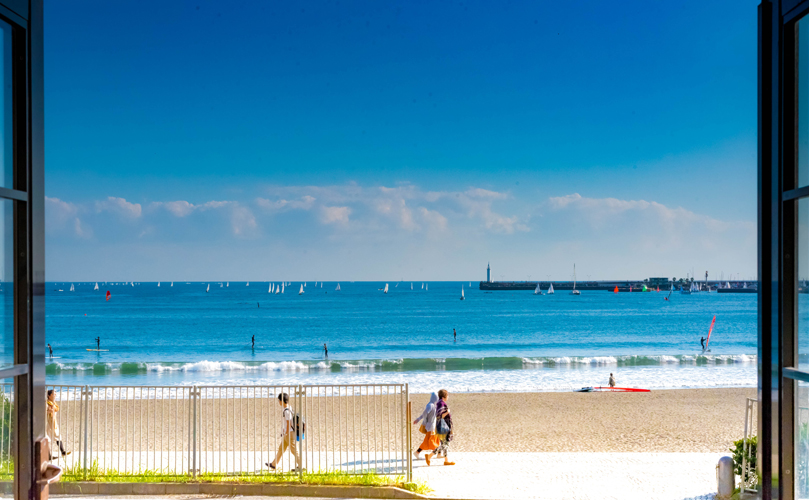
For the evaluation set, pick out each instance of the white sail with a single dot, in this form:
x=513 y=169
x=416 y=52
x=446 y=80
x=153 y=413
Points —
x=301 y=292
x=227 y=284
x=321 y=284
x=386 y=288
x=537 y=291
x=282 y=288
x=462 y=297
x=470 y=284
x=269 y=288
x=574 y=291
x=208 y=289
x=411 y=286
x=158 y=283
x=248 y=284
x=277 y=289
x=72 y=289
x=338 y=288
x=550 y=289
x=422 y=286
x=426 y=287
x=304 y=284
x=96 y=287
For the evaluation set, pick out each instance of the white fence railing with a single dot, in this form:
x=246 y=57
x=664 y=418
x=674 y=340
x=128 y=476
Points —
x=353 y=429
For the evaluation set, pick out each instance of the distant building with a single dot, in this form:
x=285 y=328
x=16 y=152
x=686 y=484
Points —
x=658 y=281
x=488 y=273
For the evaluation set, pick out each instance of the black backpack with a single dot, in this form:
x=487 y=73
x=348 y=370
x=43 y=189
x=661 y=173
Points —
x=298 y=423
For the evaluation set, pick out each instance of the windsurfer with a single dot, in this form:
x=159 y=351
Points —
x=326 y=350
x=702 y=341
x=454 y=335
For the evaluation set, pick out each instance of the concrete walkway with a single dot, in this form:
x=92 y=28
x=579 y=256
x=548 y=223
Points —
x=579 y=476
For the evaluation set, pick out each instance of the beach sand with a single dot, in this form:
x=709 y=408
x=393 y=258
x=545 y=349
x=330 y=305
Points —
x=683 y=420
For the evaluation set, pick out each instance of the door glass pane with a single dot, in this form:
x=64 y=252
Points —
x=802 y=442
x=802 y=100
x=6 y=283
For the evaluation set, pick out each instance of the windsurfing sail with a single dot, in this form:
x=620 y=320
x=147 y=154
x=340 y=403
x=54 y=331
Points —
x=422 y=286
x=158 y=283
x=426 y=287
x=96 y=287
x=616 y=289
x=108 y=295
x=411 y=286
x=72 y=289
x=710 y=330
x=282 y=288
x=338 y=288
x=248 y=284
x=208 y=289
x=301 y=291
x=277 y=289
x=386 y=288
x=462 y=297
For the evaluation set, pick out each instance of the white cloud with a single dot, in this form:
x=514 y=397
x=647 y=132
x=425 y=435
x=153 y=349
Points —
x=332 y=215
x=120 y=206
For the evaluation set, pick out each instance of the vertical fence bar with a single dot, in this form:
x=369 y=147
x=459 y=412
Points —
x=85 y=407
x=409 y=435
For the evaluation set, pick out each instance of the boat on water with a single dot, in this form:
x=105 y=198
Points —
x=550 y=289
x=208 y=289
x=96 y=287
x=301 y=291
x=426 y=287
x=282 y=288
x=248 y=284
x=537 y=291
x=384 y=290
x=462 y=297
x=269 y=289
x=574 y=291
x=72 y=288
x=158 y=283
x=338 y=288
x=277 y=289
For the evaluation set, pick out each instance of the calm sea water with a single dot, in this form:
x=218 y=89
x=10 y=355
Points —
x=507 y=341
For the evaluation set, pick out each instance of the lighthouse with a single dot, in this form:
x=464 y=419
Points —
x=488 y=273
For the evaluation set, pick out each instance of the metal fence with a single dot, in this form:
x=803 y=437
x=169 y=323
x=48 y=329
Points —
x=748 y=478
x=353 y=429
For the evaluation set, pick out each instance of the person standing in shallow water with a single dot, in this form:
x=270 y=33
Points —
x=454 y=335
x=254 y=341
x=326 y=350
x=442 y=419
x=612 y=380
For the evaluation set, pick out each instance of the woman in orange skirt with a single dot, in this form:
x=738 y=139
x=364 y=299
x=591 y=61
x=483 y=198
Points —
x=431 y=440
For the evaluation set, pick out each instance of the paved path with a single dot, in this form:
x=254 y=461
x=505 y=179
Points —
x=579 y=476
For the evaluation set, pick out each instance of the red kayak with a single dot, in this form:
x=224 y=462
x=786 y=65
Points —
x=611 y=389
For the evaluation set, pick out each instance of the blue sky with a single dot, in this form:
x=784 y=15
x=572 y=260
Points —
x=399 y=140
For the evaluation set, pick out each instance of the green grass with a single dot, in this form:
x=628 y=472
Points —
x=95 y=474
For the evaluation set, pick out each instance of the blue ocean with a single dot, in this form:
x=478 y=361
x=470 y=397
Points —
x=201 y=334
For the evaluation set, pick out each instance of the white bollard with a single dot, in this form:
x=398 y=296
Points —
x=725 y=479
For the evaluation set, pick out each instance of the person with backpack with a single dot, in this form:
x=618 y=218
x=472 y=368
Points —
x=291 y=433
x=443 y=426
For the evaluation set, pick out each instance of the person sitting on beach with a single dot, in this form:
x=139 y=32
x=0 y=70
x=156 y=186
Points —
x=431 y=441
x=612 y=380
x=288 y=435
x=442 y=416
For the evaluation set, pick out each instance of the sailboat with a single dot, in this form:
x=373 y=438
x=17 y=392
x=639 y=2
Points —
x=304 y=284
x=385 y=289
x=208 y=289
x=301 y=292
x=426 y=287
x=338 y=288
x=282 y=288
x=574 y=291
x=277 y=289
x=158 y=283
x=226 y=284
x=269 y=290
x=462 y=297
x=248 y=284
x=72 y=289
x=470 y=284
x=422 y=286
x=550 y=289
x=96 y=287
x=537 y=290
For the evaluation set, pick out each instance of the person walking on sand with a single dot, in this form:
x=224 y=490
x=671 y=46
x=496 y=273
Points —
x=50 y=350
x=326 y=350
x=53 y=425
x=612 y=380
x=443 y=422
x=431 y=441
x=289 y=434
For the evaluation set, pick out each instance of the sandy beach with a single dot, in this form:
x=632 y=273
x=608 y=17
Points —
x=685 y=420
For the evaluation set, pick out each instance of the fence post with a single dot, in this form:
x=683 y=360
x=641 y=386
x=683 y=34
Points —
x=409 y=428
x=85 y=408
x=299 y=444
x=195 y=391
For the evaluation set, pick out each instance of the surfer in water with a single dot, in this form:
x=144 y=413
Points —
x=50 y=349
x=98 y=343
x=454 y=335
x=702 y=342
x=326 y=350
x=254 y=341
